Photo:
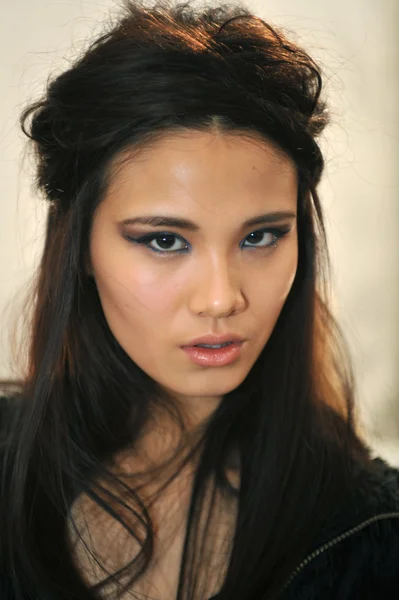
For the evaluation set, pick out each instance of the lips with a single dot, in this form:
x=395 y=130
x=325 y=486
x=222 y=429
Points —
x=215 y=340
x=218 y=357
x=224 y=345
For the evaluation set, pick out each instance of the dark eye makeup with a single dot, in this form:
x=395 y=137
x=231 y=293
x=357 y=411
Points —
x=166 y=237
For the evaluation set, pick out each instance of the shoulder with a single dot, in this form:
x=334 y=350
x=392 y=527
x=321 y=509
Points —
x=10 y=410
x=357 y=557
x=4 y=407
x=9 y=406
x=362 y=564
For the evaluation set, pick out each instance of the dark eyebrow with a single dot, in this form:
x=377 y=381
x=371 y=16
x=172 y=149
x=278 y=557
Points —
x=169 y=221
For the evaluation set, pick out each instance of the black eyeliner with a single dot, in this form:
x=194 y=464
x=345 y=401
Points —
x=144 y=240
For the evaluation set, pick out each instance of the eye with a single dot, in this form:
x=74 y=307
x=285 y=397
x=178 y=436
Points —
x=167 y=241
x=164 y=241
x=268 y=236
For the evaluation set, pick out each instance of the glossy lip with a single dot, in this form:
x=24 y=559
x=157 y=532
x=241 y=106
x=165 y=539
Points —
x=219 y=357
x=213 y=339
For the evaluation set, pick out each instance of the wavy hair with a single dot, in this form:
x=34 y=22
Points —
x=82 y=401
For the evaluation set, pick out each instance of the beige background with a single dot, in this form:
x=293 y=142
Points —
x=356 y=43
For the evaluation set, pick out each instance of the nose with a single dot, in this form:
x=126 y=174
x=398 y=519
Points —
x=217 y=292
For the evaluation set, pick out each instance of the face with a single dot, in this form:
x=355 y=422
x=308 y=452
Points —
x=161 y=291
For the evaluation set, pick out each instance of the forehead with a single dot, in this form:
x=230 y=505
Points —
x=212 y=169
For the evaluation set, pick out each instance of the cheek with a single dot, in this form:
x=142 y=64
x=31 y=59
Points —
x=273 y=287
x=151 y=290
x=286 y=277
x=134 y=291
x=285 y=273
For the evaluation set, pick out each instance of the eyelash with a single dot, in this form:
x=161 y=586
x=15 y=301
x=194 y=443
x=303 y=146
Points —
x=145 y=240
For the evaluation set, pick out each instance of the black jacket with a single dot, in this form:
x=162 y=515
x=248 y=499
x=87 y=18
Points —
x=355 y=556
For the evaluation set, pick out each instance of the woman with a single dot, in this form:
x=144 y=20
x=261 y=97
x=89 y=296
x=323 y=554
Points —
x=179 y=160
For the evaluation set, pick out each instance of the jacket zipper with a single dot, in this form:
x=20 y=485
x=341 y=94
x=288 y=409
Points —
x=328 y=545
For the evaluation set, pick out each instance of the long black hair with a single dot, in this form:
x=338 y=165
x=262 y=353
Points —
x=81 y=400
